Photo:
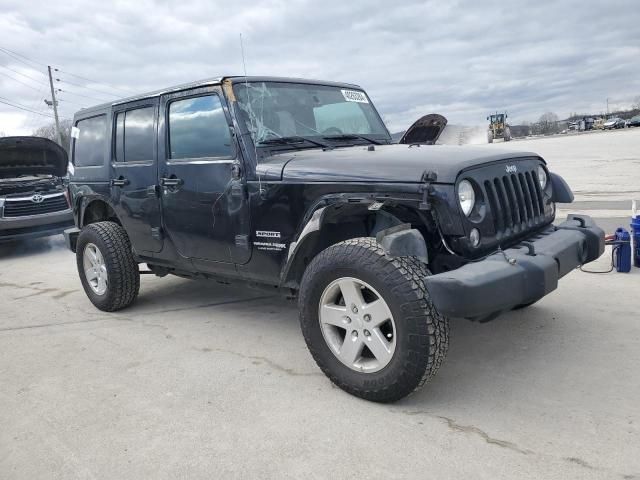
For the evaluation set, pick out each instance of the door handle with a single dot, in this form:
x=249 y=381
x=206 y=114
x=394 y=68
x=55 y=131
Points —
x=171 y=181
x=119 y=182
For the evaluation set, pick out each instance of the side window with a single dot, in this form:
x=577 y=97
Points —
x=89 y=146
x=135 y=135
x=198 y=128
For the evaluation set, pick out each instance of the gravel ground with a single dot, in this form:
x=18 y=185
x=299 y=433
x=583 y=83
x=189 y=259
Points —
x=202 y=380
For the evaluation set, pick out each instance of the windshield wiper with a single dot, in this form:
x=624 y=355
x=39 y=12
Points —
x=293 y=140
x=352 y=136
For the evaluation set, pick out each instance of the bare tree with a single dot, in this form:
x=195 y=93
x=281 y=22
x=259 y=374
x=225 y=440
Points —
x=49 y=131
x=548 y=123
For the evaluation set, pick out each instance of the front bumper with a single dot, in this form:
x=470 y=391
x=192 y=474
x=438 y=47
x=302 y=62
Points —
x=522 y=275
x=18 y=228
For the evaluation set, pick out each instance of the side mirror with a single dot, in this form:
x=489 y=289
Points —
x=505 y=115
x=487 y=118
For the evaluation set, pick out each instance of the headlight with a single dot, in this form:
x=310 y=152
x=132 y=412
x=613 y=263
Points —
x=466 y=196
x=542 y=177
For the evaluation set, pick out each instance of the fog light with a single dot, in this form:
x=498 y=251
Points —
x=474 y=236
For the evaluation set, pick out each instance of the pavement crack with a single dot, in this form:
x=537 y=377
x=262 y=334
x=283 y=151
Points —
x=206 y=305
x=471 y=429
x=63 y=293
x=44 y=325
x=269 y=362
x=36 y=290
x=456 y=427
x=105 y=339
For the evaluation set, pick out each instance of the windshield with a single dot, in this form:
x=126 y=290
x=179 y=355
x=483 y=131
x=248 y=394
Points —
x=272 y=110
x=497 y=118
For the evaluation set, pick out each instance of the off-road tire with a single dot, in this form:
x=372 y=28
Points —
x=122 y=269
x=490 y=137
x=422 y=334
x=507 y=134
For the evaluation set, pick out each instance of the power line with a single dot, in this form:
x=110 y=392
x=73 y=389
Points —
x=24 y=59
x=22 y=107
x=128 y=92
x=20 y=81
x=88 y=88
x=17 y=56
x=32 y=108
x=69 y=101
x=83 y=96
x=24 y=75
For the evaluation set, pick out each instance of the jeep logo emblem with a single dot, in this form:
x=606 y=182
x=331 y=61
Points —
x=37 y=198
x=511 y=169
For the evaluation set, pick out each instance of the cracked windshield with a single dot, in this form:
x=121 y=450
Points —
x=295 y=114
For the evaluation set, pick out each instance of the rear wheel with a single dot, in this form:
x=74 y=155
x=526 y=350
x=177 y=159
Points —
x=369 y=322
x=107 y=268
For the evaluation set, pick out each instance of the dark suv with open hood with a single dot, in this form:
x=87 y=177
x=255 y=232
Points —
x=296 y=184
x=34 y=199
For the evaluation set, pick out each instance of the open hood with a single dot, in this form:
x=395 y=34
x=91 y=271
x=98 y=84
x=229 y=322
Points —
x=31 y=156
x=426 y=130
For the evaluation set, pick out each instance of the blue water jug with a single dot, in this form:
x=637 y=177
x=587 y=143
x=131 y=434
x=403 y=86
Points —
x=622 y=251
x=635 y=231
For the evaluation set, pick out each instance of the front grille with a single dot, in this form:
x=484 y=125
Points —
x=516 y=202
x=25 y=206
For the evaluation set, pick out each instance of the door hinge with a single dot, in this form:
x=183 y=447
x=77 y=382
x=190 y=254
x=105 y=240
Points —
x=236 y=170
x=156 y=232
x=237 y=190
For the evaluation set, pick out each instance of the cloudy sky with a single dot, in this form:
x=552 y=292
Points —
x=462 y=59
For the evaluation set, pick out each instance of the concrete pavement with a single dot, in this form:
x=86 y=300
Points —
x=203 y=380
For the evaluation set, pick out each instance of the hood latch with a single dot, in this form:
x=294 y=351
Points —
x=428 y=177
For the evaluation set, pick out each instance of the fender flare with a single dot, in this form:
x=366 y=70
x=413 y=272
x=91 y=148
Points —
x=395 y=238
x=561 y=192
x=85 y=202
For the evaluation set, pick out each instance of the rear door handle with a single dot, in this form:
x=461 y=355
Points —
x=171 y=181
x=119 y=182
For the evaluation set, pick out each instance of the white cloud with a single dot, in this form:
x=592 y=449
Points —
x=462 y=59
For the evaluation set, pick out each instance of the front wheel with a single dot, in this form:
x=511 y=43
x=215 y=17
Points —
x=507 y=134
x=369 y=322
x=107 y=268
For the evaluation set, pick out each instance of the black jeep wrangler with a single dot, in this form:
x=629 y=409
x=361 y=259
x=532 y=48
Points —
x=295 y=184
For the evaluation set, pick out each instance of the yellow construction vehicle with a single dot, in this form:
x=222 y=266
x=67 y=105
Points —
x=498 y=127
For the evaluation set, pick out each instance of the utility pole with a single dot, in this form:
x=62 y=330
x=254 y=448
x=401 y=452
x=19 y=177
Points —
x=55 y=107
x=607 y=106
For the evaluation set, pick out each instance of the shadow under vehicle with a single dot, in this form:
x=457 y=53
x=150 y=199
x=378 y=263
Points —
x=34 y=199
x=295 y=185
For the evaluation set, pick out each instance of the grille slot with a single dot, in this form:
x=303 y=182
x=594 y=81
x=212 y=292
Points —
x=26 y=207
x=516 y=202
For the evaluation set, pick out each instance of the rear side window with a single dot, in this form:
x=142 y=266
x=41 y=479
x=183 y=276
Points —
x=135 y=135
x=198 y=128
x=90 y=145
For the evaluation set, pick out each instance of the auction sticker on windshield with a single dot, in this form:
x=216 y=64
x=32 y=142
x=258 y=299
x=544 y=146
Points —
x=354 y=96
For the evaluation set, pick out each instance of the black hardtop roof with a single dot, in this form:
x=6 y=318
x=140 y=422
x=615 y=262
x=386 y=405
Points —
x=89 y=111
